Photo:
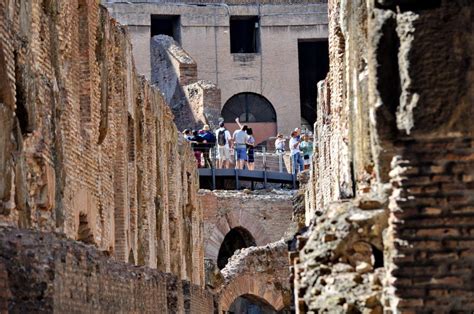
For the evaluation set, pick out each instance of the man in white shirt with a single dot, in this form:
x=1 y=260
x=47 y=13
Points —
x=224 y=140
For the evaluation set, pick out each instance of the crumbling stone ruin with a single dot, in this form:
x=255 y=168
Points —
x=89 y=154
x=390 y=195
x=100 y=207
x=270 y=53
x=245 y=249
x=193 y=102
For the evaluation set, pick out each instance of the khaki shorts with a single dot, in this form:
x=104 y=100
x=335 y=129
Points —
x=224 y=152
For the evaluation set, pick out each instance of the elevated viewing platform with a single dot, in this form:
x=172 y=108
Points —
x=212 y=175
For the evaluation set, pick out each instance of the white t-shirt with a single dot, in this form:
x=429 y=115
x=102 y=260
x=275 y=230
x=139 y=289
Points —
x=228 y=137
x=294 y=150
x=280 y=144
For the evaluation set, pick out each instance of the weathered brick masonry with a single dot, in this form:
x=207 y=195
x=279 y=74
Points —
x=260 y=270
x=52 y=274
x=266 y=215
x=395 y=134
x=89 y=149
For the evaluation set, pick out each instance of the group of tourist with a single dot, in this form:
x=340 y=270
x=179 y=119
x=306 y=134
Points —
x=301 y=150
x=202 y=141
x=243 y=143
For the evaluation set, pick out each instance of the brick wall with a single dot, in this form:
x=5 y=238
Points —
x=43 y=272
x=259 y=271
x=266 y=215
x=88 y=148
x=4 y=288
x=197 y=300
x=395 y=134
x=431 y=223
x=331 y=175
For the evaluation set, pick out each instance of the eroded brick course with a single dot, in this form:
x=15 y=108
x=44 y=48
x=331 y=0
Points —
x=89 y=148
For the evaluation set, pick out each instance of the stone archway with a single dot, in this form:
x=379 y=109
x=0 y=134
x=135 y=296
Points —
x=259 y=285
x=261 y=272
x=249 y=303
x=230 y=221
x=236 y=239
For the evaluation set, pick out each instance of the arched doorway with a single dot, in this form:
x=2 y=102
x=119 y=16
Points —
x=251 y=304
x=236 y=239
x=255 y=111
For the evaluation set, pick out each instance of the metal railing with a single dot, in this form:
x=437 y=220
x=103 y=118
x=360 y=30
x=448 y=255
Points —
x=206 y=157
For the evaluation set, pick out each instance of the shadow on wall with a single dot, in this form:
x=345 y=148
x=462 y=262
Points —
x=194 y=103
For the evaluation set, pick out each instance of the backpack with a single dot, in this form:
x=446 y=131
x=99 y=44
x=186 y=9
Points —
x=221 y=140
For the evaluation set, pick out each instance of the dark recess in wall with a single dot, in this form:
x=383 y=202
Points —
x=236 y=239
x=244 y=34
x=313 y=62
x=169 y=25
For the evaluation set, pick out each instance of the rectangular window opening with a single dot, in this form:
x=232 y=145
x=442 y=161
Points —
x=313 y=62
x=244 y=34
x=169 y=25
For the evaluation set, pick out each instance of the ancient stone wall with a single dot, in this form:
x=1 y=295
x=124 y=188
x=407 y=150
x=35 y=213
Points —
x=203 y=30
x=41 y=272
x=397 y=103
x=430 y=235
x=266 y=215
x=194 y=103
x=343 y=150
x=233 y=2
x=87 y=147
x=259 y=271
x=197 y=300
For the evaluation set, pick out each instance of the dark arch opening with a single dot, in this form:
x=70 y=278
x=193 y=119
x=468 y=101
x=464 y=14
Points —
x=248 y=303
x=236 y=239
x=249 y=107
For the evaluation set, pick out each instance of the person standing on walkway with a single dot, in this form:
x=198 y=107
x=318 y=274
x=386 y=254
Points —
x=306 y=148
x=296 y=159
x=188 y=135
x=209 y=142
x=250 y=149
x=196 y=144
x=298 y=133
x=224 y=140
x=240 y=138
x=280 y=144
